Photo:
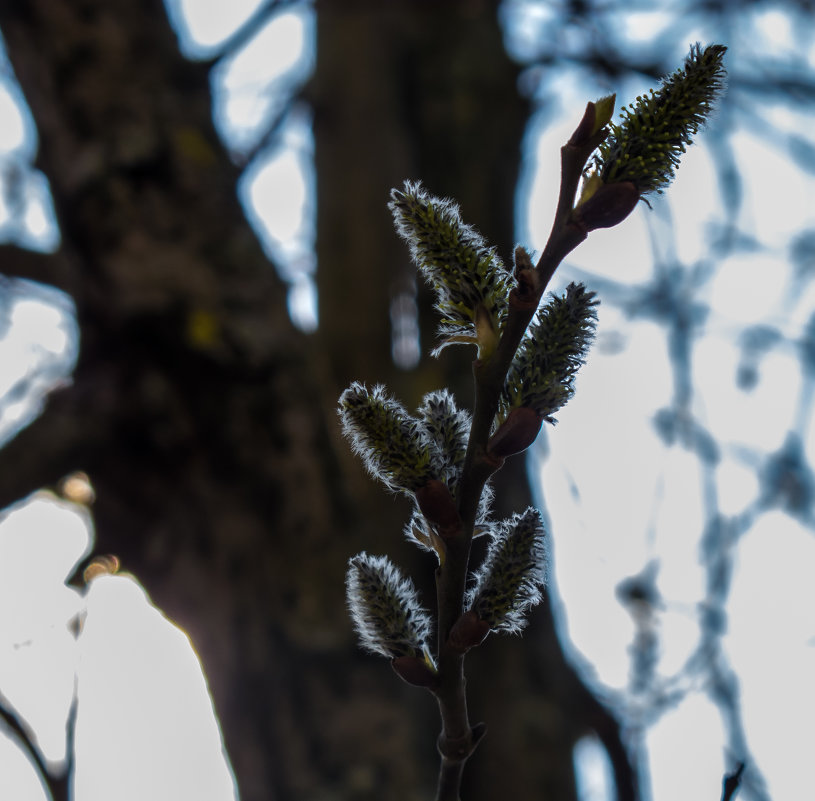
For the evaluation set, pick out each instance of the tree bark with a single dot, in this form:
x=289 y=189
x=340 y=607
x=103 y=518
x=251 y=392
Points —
x=207 y=423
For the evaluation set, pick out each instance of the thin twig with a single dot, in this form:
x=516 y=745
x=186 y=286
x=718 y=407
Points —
x=458 y=739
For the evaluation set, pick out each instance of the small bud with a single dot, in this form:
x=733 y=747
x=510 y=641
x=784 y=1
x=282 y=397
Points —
x=438 y=506
x=458 y=748
x=607 y=205
x=591 y=183
x=597 y=115
x=527 y=278
x=420 y=532
x=467 y=632
x=415 y=671
x=604 y=111
x=523 y=261
x=516 y=433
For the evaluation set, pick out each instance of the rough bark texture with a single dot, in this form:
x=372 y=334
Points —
x=207 y=423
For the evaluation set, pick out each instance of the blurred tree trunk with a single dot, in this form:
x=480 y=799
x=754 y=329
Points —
x=207 y=423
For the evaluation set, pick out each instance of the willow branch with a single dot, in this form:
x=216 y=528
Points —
x=458 y=739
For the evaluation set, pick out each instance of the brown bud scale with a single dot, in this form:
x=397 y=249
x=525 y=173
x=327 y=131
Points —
x=437 y=505
x=608 y=206
x=516 y=433
x=467 y=632
x=415 y=671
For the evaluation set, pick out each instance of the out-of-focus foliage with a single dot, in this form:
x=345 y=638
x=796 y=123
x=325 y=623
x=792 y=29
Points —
x=691 y=428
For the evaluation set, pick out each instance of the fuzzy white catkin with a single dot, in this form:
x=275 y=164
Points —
x=513 y=574
x=385 y=608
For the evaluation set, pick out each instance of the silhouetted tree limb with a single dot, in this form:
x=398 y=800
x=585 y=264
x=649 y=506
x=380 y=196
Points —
x=731 y=783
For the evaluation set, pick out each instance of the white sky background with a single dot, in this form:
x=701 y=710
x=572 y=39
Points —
x=142 y=699
x=616 y=496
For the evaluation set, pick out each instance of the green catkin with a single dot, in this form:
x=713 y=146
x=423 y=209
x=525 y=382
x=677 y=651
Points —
x=393 y=445
x=448 y=429
x=385 y=608
x=544 y=368
x=467 y=275
x=646 y=146
x=513 y=574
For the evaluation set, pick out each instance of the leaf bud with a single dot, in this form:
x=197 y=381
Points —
x=606 y=205
x=437 y=505
x=415 y=671
x=393 y=445
x=513 y=574
x=597 y=115
x=467 y=632
x=516 y=433
x=646 y=146
x=471 y=283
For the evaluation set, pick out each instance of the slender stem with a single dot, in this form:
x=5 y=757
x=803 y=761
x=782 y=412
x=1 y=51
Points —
x=458 y=739
x=450 y=774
